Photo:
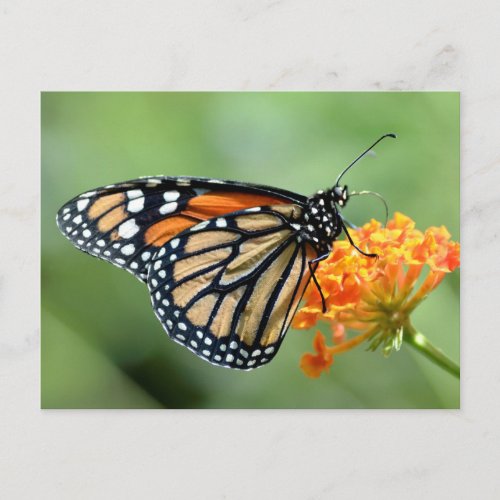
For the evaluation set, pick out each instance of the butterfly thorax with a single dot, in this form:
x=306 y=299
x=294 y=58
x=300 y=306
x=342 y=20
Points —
x=322 y=221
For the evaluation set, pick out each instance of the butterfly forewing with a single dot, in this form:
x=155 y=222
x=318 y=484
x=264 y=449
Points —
x=228 y=287
x=127 y=223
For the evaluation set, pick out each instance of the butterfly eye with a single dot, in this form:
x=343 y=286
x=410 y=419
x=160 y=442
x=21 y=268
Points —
x=338 y=192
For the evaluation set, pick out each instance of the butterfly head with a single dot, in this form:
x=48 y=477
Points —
x=339 y=195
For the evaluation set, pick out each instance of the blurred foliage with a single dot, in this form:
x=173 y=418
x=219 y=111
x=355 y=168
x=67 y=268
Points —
x=102 y=346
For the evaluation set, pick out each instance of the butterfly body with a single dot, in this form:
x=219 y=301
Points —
x=226 y=263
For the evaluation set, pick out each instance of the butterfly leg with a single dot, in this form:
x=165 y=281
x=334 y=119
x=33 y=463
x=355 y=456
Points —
x=311 y=269
x=354 y=245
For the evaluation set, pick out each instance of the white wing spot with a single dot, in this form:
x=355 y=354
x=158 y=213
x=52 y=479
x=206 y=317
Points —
x=244 y=353
x=177 y=314
x=239 y=362
x=253 y=209
x=165 y=302
x=217 y=357
x=207 y=341
x=161 y=312
x=135 y=205
x=101 y=243
x=233 y=345
x=251 y=362
x=183 y=182
x=199 y=334
x=173 y=257
x=171 y=195
x=128 y=229
x=221 y=222
x=157 y=265
x=128 y=249
x=78 y=219
x=168 y=208
x=134 y=265
x=222 y=347
x=120 y=261
x=229 y=358
x=269 y=350
x=201 y=225
x=158 y=295
x=154 y=282
x=87 y=233
x=182 y=326
x=162 y=273
x=194 y=344
x=256 y=353
x=180 y=337
x=206 y=353
x=174 y=243
x=169 y=324
x=145 y=256
x=161 y=253
x=134 y=193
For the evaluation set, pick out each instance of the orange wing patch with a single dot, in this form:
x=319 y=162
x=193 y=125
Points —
x=204 y=207
x=161 y=232
x=111 y=219
x=104 y=204
x=215 y=204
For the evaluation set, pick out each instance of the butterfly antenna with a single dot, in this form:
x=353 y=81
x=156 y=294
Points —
x=361 y=156
x=379 y=196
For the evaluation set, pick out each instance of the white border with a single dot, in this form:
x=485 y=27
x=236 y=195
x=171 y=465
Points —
x=241 y=45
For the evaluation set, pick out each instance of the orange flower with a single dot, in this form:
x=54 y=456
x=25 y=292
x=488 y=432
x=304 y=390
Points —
x=375 y=296
x=314 y=364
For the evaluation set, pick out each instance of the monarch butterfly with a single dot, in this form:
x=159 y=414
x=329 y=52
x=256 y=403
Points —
x=226 y=263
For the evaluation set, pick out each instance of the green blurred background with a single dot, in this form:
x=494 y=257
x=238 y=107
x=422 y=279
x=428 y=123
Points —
x=102 y=346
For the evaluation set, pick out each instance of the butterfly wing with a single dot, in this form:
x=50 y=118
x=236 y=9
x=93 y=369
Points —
x=127 y=223
x=228 y=287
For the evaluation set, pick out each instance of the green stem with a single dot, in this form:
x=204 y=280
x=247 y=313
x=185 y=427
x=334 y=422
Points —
x=422 y=344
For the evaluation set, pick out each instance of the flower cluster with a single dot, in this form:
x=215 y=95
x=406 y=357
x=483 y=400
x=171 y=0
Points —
x=374 y=296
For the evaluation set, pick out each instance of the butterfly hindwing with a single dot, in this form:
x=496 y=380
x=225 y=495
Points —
x=228 y=287
x=127 y=223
